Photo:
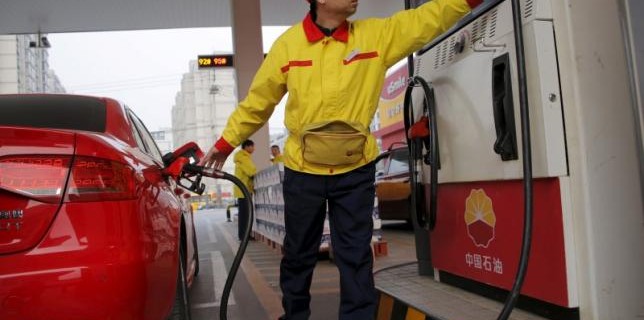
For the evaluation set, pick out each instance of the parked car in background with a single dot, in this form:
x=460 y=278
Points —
x=90 y=225
x=393 y=190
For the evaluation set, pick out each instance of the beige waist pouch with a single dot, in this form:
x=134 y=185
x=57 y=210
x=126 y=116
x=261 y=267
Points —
x=333 y=143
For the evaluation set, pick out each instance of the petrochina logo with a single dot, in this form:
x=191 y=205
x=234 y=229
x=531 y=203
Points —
x=480 y=218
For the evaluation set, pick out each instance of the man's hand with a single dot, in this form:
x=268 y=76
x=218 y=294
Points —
x=217 y=155
x=214 y=158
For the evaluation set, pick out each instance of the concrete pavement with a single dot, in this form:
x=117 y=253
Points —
x=256 y=293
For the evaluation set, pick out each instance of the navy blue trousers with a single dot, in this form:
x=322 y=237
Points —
x=350 y=198
x=242 y=217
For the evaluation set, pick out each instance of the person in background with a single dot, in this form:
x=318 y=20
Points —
x=333 y=70
x=277 y=154
x=232 y=205
x=245 y=171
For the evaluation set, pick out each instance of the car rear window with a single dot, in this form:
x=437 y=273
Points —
x=53 y=111
x=399 y=162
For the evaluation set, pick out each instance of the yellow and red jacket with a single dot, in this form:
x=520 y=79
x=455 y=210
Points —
x=277 y=159
x=337 y=77
x=244 y=170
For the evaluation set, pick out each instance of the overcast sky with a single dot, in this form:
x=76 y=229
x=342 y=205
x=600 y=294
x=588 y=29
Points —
x=143 y=69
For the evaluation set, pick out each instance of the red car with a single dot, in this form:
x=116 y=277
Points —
x=91 y=227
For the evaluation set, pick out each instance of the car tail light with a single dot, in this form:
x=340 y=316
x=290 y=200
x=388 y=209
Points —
x=94 y=179
x=39 y=177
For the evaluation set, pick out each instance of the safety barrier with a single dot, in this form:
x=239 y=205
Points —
x=390 y=308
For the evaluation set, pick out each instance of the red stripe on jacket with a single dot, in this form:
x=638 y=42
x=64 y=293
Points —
x=297 y=63
x=474 y=3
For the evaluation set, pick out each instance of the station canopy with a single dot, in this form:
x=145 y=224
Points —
x=47 y=16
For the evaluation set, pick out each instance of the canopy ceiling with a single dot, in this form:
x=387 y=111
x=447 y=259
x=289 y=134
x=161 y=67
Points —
x=54 y=16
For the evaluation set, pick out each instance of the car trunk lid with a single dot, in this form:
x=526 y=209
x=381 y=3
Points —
x=34 y=169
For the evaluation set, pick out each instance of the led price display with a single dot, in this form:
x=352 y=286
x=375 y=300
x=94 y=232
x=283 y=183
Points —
x=215 y=61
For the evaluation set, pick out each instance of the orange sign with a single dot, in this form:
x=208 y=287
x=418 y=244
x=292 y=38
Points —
x=390 y=106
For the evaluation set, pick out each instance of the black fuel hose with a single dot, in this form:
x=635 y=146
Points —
x=527 y=164
x=216 y=174
x=415 y=148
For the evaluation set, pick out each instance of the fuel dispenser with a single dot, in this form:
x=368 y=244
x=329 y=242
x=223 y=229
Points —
x=477 y=225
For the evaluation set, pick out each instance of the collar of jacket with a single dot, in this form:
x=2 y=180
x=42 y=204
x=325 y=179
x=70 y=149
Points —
x=314 y=34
